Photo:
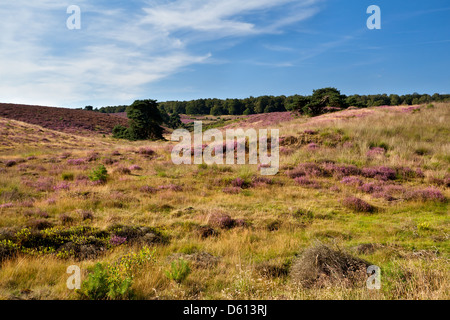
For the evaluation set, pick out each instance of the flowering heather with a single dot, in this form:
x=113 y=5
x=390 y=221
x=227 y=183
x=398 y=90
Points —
x=117 y=240
x=146 y=151
x=82 y=177
x=6 y=205
x=340 y=171
x=376 y=151
x=440 y=182
x=382 y=173
x=76 y=162
x=311 y=132
x=122 y=170
x=134 y=167
x=352 y=180
x=232 y=190
x=305 y=182
x=42 y=184
x=239 y=183
x=286 y=151
x=241 y=223
x=357 y=205
x=115 y=153
x=427 y=194
x=371 y=187
x=307 y=169
x=312 y=146
x=31 y=158
x=259 y=180
x=61 y=186
x=92 y=156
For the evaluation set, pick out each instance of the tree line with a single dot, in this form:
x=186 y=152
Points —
x=322 y=100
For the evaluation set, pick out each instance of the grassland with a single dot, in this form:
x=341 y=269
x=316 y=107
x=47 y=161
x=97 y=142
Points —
x=241 y=234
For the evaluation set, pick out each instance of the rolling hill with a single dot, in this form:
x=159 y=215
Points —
x=72 y=121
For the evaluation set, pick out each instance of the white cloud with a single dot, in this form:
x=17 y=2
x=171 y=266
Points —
x=117 y=51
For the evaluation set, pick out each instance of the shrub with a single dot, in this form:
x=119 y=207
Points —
x=146 y=151
x=10 y=163
x=223 y=221
x=206 y=232
x=179 y=270
x=122 y=170
x=76 y=162
x=114 y=281
x=99 y=174
x=117 y=240
x=40 y=224
x=61 y=186
x=427 y=194
x=320 y=265
x=382 y=173
x=67 y=176
x=7 y=249
x=305 y=182
x=65 y=218
x=358 y=205
x=352 y=180
x=273 y=226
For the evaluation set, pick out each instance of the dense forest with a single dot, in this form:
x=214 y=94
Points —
x=317 y=103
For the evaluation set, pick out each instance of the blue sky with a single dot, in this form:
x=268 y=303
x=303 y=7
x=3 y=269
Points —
x=189 y=49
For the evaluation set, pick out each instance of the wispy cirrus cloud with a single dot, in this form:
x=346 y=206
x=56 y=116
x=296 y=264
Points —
x=120 y=50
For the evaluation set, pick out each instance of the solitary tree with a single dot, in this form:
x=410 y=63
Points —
x=144 y=122
x=322 y=98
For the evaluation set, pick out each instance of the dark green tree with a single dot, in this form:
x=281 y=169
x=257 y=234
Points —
x=144 y=120
x=175 y=121
x=322 y=98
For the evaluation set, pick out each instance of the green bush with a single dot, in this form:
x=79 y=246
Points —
x=179 y=270
x=114 y=281
x=99 y=174
x=67 y=176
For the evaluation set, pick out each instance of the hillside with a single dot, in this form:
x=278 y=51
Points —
x=17 y=136
x=79 y=122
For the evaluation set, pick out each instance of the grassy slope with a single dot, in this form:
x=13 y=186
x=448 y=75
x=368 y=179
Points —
x=412 y=235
